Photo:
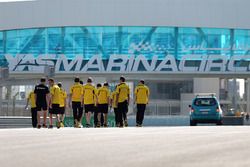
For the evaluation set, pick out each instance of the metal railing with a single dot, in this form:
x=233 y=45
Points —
x=15 y=107
x=160 y=109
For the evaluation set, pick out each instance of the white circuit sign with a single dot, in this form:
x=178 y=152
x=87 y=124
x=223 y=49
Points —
x=128 y=63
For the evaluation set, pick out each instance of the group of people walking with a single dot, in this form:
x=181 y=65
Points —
x=88 y=99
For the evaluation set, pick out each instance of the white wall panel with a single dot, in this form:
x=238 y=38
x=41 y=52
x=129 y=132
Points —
x=183 y=13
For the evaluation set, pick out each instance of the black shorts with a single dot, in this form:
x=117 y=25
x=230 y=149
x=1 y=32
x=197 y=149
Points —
x=103 y=108
x=89 y=108
x=41 y=106
x=96 y=109
x=55 y=109
x=62 y=110
x=123 y=107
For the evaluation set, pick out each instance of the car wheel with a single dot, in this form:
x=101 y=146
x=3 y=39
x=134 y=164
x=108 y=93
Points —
x=193 y=123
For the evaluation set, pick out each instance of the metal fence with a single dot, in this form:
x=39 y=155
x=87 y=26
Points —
x=159 y=109
x=17 y=108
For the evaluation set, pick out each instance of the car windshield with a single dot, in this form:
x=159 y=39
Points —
x=205 y=102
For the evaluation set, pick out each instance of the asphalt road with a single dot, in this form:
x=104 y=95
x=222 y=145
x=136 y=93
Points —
x=206 y=146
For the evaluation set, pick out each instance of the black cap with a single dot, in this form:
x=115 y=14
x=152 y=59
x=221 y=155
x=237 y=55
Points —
x=59 y=84
x=98 y=85
x=89 y=80
x=122 y=78
x=77 y=79
x=142 y=81
x=106 y=84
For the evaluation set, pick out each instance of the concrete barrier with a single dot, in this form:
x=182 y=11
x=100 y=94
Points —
x=233 y=120
x=161 y=121
x=15 y=122
x=25 y=122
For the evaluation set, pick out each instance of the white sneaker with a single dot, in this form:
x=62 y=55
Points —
x=80 y=125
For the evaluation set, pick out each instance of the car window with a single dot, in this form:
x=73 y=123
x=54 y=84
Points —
x=205 y=102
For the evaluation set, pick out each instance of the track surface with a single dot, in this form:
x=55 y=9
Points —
x=126 y=147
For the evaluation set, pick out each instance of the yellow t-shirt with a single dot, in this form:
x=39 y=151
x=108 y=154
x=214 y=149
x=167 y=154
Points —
x=95 y=99
x=55 y=92
x=63 y=96
x=89 y=93
x=76 y=92
x=123 y=92
x=113 y=97
x=103 y=95
x=32 y=99
x=142 y=94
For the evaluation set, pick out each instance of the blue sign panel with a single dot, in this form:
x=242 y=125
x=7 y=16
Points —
x=125 y=49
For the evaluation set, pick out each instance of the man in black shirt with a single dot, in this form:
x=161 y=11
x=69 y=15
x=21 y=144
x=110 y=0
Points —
x=42 y=101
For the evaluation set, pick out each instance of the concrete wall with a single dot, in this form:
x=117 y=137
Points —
x=183 y=13
x=207 y=85
x=186 y=99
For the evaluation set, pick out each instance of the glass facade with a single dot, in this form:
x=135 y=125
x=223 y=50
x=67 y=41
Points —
x=105 y=41
x=126 y=41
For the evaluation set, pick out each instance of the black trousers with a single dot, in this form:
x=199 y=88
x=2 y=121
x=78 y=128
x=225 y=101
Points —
x=77 y=111
x=34 y=117
x=116 y=117
x=122 y=112
x=96 y=117
x=140 y=113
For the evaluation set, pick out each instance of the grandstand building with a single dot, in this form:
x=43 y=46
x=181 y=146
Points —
x=180 y=48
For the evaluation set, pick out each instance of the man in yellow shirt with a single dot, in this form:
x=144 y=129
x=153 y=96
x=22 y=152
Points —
x=141 y=100
x=63 y=97
x=75 y=98
x=54 y=104
x=98 y=86
x=32 y=101
x=80 y=122
x=89 y=97
x=122 y=101
x=103 y=104
x=114 y=106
